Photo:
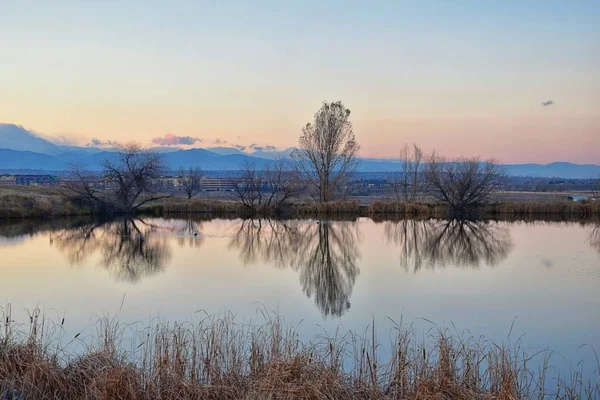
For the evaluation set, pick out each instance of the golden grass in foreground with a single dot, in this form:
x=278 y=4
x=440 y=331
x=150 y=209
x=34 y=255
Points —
x=218 y=358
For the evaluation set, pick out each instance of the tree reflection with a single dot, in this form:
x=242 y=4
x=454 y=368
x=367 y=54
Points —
x=17 y=230
x=327 y=264
x=595 y=237
x=437 y=243
x=189 y=232
x=130 y=248
x=268 y=241
x=324 y=254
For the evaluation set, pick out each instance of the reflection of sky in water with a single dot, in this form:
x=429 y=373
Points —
x=477 y=277
x=4 y=241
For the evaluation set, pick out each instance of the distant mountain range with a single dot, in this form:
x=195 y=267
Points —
x=23 y=149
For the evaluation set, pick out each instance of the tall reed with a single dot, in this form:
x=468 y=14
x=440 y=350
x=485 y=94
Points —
x=221 y=358
x=578 y=209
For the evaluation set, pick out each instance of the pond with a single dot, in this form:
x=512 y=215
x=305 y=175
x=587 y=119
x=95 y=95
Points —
x=536 y=282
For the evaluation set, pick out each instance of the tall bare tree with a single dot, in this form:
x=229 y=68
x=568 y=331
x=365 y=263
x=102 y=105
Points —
x=126 y=182
x=189 y=180
x=266 y=188
x=408 y=183
x=327 y=154
x=465 y=184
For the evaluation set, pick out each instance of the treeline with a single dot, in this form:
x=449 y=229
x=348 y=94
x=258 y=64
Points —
x=320 y=169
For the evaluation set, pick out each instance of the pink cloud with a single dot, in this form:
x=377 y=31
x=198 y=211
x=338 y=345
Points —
x=173 y=140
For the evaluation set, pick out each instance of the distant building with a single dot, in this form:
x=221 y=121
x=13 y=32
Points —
x=173 y=184
x=219 y=184
x=30 y=180
x=36 y=180
x=8 y=180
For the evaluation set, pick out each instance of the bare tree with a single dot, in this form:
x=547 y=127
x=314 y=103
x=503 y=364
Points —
x=283 y=182
x=408 y=182
x=327 y=154
x=86 y=187
x=267 y=188
x=464 y=184
x=249 y=191
x=126 y=182
x=189 y=179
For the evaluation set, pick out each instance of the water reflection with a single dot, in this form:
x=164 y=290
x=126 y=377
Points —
x=130 y=248
x=189 y=232
x=438 y=243
x=324 y=253
x=16 y=231
x=595 y=237
x=327 y=264
x=269 y=241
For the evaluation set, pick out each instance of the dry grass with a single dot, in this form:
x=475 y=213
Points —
x=338 y=207
x=217 y=358
x=35 y=202
x=410 y=209
x=582 y=209
x=193 y=206
x=24 y=201
x=565 y=208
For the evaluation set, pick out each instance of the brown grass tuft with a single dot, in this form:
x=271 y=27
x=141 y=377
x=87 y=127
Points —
x=401 y=208
x=580 y=209
x=184 y=206
x=339 y=207
x=35 y=202
x=217 y=358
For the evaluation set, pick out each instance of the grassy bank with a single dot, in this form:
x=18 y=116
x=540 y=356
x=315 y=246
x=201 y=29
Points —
x=579 y=209
x=30 y=202
x=181 y=206
x=23 y=201
x=380 y=209
x=217 y=358
x=583 y=209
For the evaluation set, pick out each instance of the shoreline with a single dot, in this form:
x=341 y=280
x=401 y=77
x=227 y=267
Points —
x=35 y=202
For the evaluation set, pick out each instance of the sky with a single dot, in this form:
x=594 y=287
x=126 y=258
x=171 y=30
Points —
x=466 y=78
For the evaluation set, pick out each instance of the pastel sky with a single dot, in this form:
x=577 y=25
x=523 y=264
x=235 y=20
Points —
x=463 y=77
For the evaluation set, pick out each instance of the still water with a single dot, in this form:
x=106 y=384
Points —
x=542 y=279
